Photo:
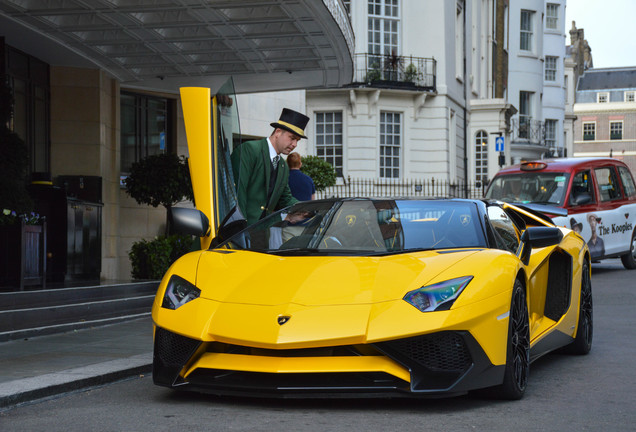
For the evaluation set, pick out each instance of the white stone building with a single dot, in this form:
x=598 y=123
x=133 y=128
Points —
x=424 y=93
x=537 y=78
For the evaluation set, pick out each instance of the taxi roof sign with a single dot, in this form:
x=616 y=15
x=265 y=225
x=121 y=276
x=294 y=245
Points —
x=533 y=166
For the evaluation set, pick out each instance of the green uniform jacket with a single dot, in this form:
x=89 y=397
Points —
x=252 y=169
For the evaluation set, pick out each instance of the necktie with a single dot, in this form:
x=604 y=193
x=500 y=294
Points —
x=275 y=161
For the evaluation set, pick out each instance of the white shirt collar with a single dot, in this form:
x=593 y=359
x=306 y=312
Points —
x=272 y=152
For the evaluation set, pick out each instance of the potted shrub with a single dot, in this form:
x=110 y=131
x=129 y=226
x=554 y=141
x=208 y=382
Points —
x=320 y=171
x=162 y=179
x=410 y=73
x=14 y=159
x=151 y=258
x=22 y=232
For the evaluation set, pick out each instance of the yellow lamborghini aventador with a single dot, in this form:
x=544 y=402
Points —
x=386 y=297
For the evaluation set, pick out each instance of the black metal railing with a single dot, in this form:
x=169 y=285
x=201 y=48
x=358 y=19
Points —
x=395 y=71
x=408 y=188
x=528 y=131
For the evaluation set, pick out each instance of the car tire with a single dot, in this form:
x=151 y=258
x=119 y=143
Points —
x=518 y=348
x=584 y=330
x=629 y=259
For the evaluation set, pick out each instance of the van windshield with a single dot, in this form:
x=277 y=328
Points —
x=530 y=187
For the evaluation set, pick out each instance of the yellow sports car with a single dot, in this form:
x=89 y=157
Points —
x=359 y=297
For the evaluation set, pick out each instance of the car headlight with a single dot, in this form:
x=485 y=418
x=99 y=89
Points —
x=179 y=292
x=439 y=296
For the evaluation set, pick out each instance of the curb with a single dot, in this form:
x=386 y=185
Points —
x=26 y=390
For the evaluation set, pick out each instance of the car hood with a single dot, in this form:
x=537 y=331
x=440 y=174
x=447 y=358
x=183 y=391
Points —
x=260 y=279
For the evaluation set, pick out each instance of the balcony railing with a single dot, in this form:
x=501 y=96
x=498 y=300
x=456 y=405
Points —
x=528 y=131
x=393 y=71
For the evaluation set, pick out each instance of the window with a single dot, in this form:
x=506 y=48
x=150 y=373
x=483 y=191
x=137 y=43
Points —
x=630 y=96
x=481 y=156
x=144 y=127
x=506 y=232
x=383 y=30
x=589 y=131
x=525 y=113
x=582 y=189
x=603 y=97
x=628 y=182
x=552 y=16
x=616 y=130
x=607 y=183
x=347 y=5
x=526 y=30
x=550 y=134
x=329 y=138
x=390 y=138
x=551 y=68
x=28 y=78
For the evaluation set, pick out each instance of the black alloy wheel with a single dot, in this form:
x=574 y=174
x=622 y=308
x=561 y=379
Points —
x=583 y=341
x=518 y=350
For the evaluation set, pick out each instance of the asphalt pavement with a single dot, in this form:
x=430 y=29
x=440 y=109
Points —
x=46 y=366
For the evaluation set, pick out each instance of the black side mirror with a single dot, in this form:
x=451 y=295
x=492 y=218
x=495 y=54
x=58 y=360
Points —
x=233 y=223
x=538 y=237
x=189 y=221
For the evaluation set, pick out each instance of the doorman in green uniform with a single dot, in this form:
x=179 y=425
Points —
x=260 y=174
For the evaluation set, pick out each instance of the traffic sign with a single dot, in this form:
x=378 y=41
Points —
x=499 y=144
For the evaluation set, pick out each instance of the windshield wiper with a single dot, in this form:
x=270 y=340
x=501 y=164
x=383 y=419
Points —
x=294 y=251
x=542 y=202
x=411 y=250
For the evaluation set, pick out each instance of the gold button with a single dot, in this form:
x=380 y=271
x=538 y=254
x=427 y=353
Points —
x=262 y=207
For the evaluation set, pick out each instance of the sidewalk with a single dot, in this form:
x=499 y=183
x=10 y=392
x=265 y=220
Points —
x=44 y=366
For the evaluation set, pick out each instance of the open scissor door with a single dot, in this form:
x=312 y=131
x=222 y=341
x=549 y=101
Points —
x=212 y=127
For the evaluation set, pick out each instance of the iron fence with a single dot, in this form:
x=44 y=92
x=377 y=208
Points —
x=410 y=188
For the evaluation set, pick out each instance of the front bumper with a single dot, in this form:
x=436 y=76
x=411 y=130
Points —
x=443 y=363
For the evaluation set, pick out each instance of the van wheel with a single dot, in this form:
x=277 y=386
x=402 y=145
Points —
x=629 y=259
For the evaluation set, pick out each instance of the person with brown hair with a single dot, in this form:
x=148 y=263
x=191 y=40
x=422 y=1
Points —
x=301 y=185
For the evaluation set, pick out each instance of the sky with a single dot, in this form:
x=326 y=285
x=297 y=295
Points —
x=610 y=29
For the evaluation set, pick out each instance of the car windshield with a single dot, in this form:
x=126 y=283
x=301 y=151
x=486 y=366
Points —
x=364 y=227
x=530 y=187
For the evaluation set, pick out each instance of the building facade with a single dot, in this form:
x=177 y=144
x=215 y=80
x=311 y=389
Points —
x=578 y=59
x=537 y=78
x=428 y=96
x=605 y=112
x=96 y=88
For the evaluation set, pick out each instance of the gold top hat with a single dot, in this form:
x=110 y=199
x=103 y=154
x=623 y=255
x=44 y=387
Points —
x=292 y=121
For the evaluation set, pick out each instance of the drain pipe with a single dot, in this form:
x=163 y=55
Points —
x=465 y=105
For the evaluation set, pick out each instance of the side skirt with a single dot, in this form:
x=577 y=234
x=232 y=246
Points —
x=551 y=342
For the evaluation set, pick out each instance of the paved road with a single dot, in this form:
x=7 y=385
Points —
x=590 y=393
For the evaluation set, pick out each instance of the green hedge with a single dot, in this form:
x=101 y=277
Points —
x=151 y=258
